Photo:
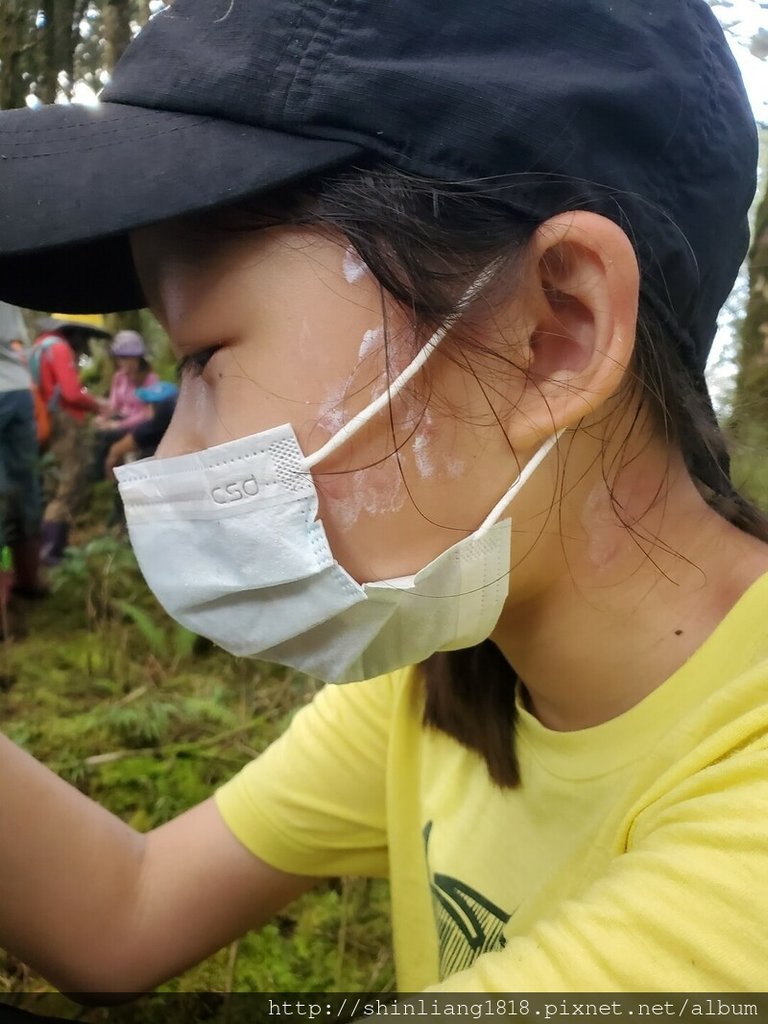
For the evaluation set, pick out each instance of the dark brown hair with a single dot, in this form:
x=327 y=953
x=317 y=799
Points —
x=145 y=367
x=425 y=242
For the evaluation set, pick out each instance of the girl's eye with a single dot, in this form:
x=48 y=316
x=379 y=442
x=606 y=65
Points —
x=195 y=362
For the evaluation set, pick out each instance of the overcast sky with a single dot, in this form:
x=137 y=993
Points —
x=745 y=19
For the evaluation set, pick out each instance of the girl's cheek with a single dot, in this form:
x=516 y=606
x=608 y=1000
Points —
x=190 y=428
x=372 y=492
x=362 y=512
x=332 y=412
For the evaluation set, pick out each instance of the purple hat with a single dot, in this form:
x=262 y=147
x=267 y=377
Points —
x=127 y=344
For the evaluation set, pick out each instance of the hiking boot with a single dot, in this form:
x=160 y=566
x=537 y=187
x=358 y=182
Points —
x=26 y=566
x=54 y=540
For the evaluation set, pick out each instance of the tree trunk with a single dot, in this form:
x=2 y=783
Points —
x=65 y=36
x=749 y=422
x=142 y=11
x=117 y=30
x=47 y=73
x=59 y=50
x=752 y=381
x=15 y=43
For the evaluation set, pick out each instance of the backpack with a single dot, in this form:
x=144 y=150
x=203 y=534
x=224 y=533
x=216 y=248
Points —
x=43 y=409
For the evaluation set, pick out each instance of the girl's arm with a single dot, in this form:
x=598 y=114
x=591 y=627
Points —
x=125 y=403
x=98 y=907
x=66 y=378
x=115 y=392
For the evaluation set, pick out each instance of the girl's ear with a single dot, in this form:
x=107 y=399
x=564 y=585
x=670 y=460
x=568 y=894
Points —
x=580 y=313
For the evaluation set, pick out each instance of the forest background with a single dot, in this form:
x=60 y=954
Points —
x=146 y=717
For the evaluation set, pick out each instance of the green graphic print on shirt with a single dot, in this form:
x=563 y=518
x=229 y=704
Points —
x=468 y=923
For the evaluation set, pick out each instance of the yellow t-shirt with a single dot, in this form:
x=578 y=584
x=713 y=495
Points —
x=633 y=858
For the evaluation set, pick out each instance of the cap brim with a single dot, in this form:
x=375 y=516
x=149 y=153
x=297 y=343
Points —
x=74 y=180
x=49 y=323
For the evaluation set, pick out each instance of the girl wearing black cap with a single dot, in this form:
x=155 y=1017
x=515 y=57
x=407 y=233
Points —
x=443 y=437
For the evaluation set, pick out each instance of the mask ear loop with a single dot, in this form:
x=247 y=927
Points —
x=521 y=480
x=396 y=386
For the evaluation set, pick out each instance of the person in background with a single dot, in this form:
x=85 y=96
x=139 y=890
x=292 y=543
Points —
x=142 y=441
x=20 y=503
x=126 y=409
x=53 y=362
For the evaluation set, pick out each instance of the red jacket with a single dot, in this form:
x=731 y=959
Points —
x=60 y=385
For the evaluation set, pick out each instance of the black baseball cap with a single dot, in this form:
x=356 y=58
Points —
x=633 y=109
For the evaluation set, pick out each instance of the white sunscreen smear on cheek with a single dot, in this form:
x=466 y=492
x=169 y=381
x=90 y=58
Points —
x=371 y=341
x=374 y=491
x=424 y=463
x=421 y=446
x=305 y=339
x=455 y=467
x=427 y=463
x=331 y=414
x=353 y=268
x=601 y=529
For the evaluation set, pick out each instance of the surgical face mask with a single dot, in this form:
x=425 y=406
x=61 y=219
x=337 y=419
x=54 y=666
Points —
x=229 y=541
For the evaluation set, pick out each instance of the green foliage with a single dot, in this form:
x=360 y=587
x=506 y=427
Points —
x=175 y=645
x=103 y=570
x=163 y=359
x=330 y=946
x=750 y=473
x=148 y=720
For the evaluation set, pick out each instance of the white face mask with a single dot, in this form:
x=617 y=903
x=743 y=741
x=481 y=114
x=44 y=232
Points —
x=229 y=542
